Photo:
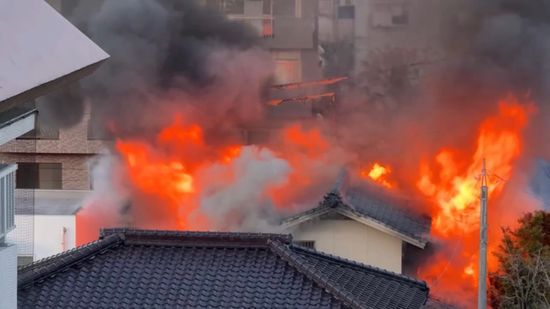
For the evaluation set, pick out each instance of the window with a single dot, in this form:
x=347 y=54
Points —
x=346 y=12
x=41 y=131
x=38 y=176
x=235 y=7
x=390 y=15
x=310 y=244
x=284 y=8
x=288 y=68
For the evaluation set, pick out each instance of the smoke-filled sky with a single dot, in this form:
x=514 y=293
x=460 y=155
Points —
x=176 y=58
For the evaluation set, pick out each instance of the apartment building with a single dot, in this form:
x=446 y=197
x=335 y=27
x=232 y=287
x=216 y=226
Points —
x=385 y=33
x=288 y=29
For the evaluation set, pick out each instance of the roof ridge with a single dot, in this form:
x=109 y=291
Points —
x=381 y=271
x=282 y=251
x=47 y=266
x=174 y=237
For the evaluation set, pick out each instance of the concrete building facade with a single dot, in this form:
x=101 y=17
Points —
x=388 y=33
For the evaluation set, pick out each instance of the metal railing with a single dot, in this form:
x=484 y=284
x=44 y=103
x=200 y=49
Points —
x=7 y=199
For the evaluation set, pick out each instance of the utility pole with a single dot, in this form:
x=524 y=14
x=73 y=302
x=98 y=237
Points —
x=482 y=277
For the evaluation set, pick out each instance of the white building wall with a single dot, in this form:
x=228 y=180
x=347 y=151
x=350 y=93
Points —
x=353 y=240
x=45 y=236
x=8 y=276
x=49 y=235
x=23 y=235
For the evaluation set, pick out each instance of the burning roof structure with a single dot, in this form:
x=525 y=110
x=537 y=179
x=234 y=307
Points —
x=129 y=268
x=352 y=203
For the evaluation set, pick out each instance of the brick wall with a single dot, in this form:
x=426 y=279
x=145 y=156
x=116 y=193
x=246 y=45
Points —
x=73 y=150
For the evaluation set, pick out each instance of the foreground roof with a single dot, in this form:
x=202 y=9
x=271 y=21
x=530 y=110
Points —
x=375 y=212
x=136 y=268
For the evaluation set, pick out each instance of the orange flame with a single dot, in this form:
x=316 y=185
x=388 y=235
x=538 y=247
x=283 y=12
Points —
x=455 y=191
x=379 y=174
x=164 y=169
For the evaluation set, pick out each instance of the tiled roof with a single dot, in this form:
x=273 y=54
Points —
x=358 y=203
x=136 y=268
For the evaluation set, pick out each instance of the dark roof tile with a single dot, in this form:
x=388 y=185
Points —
x=129 y=268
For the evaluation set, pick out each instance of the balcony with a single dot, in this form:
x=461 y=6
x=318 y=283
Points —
x=262 y=24
x=7 y=199
x=282 y=32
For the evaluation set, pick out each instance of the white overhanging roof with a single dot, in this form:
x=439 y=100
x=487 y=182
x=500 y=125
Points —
x=40 y=49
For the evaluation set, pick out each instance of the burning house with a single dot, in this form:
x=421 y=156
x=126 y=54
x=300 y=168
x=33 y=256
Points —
x=185 y=81
x=359 y=227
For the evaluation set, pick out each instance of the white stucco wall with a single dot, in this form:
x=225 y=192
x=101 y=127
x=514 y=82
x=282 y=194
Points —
x=48 y=235
x=41 y=236
x=8 y=277
x=353 y=240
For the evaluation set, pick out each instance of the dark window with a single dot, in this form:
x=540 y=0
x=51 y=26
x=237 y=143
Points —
x=306 y=243
x=400 y=19
x=346 y=12
x=41 y=131
x=38 y=175
x=284 y=8
x=233 y=7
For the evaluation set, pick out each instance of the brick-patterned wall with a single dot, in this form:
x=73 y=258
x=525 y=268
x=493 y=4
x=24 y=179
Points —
x=72 y=140
x=73 y=150
x=75 y=168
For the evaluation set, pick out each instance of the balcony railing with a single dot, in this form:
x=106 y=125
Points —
x=7 y=199
x=262 y=24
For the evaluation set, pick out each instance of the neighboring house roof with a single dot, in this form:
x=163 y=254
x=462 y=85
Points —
x=367 y=209
x=138 y=268
x=40 y=49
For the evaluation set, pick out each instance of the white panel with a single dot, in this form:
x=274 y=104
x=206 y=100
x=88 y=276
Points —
x=38 y=45
x=8 y=279
x=17 y=128
x=23 y=235
x=49 y=238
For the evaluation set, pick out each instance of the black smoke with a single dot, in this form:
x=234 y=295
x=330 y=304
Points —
x=166 y=57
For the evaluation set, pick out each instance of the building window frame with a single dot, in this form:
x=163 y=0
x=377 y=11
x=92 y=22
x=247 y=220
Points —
x=28 y=175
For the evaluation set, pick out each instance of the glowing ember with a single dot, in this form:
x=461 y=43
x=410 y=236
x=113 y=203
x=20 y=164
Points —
x=379 y=174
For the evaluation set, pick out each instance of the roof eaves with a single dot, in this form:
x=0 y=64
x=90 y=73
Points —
x=284 y=253
x=364 y=267
x=48 y=267
x=381 y=226
x=306 y=216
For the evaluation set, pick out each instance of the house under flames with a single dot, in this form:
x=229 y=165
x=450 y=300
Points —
x=360 y=226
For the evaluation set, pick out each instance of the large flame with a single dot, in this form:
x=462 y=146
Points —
x=453 y=183
x=164 y=169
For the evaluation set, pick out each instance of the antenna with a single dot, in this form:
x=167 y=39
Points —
x=482 y=283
